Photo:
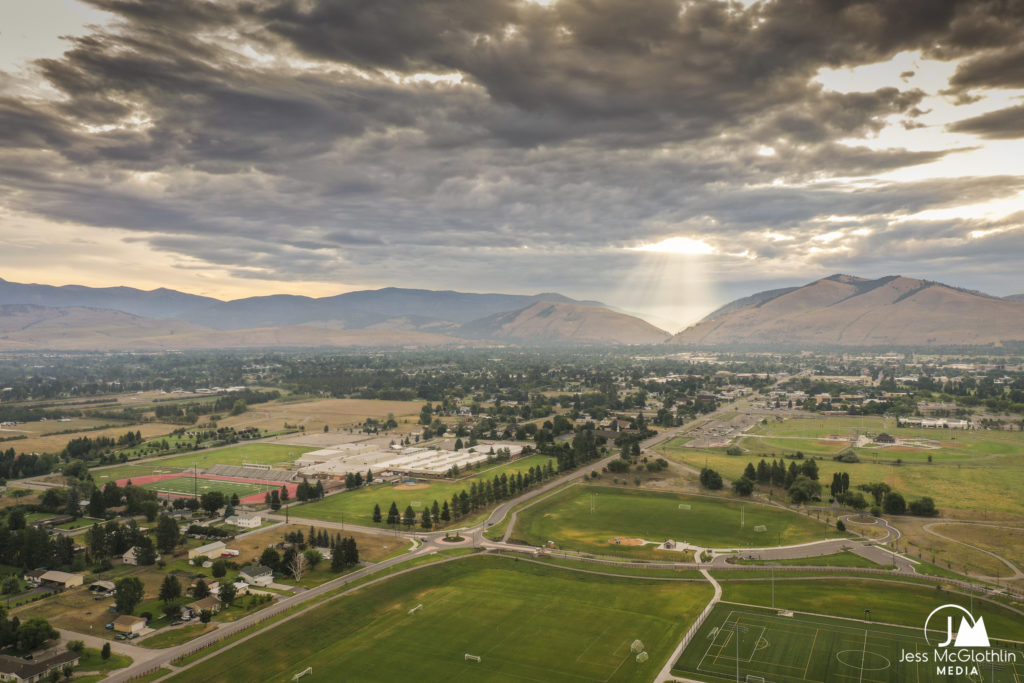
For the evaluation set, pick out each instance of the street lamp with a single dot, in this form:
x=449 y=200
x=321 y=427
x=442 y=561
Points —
x=737 y=629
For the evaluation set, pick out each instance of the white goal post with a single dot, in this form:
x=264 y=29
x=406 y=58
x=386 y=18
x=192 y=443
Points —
x=472 y=658
x=307 y=670
x=751 y=678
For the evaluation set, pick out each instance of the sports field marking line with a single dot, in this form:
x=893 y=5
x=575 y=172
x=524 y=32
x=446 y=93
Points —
x=810 y=652
x=596 y=638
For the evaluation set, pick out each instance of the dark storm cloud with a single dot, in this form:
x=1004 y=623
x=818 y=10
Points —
x=1003 y=124
x=281 y=139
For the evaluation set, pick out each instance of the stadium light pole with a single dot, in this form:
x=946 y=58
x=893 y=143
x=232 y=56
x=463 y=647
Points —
x=737 y=630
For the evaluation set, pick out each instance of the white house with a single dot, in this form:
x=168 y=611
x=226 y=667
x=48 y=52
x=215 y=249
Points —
x=256 y=575
x=245 y=521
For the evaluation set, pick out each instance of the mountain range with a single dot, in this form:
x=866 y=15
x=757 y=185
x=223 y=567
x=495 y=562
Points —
x=121 y=318
x=844 y=310
x=839 y=310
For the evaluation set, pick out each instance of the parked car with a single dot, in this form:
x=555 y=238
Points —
x=120 y=636
x=110 y=627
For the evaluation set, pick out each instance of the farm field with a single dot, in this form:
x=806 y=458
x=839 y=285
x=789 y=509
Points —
x=570 y=519
x=805 y=648
x=42 y=441
x=313 y=415
x=357 y=506
x=258 y=453
x=978 y=485
x=525 y=621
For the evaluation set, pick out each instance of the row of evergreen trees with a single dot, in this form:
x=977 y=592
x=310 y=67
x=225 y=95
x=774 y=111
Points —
x=479 y=495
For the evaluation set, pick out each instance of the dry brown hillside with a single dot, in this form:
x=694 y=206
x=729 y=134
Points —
x=547 y=322
x=850 y=311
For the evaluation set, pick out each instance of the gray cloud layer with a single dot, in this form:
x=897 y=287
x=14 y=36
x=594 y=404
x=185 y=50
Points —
x=294 y=140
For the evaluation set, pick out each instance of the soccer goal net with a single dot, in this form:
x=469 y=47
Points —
x=637 y=647
x=307 y=670
x=685 y=506
x=760 y=528
x=642 y=657
x=751 y=678
x=472 y=658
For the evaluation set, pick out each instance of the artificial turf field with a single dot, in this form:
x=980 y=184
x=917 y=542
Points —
x=527 y=622
x=586 y=517
x=816 y=649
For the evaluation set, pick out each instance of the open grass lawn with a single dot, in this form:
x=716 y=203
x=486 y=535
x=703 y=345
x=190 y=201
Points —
x=92 y=661
x=526 y=622
x=891 y=601
x=805 y=648
x=175 y=636
x=258 y=453
x=586 y=517
x=1004 y=541
x=357 y=506
x=978 y=484
x=843 y=559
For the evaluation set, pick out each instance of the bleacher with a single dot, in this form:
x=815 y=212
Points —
x=250 y=473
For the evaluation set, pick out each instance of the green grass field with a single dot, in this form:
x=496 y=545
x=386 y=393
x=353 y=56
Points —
x=586 y=517
x=971 y=484
x=185 y=486
x=891 y=601
x=804 y=648
x=357 y=506
x=527 y=623
x=258 y=453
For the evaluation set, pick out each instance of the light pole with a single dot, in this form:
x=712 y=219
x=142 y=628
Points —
x=773 y=565
x=737 y=629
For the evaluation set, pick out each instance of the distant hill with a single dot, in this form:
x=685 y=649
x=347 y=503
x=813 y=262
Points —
x=1014 y=297
x=420 y=308
x=559 y=323
x=844 y=310
x=26 y=327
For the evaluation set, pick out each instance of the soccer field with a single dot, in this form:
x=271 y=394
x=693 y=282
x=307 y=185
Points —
x=526 y=622
x=185 y=486
x=587 y=517
x=764 y=646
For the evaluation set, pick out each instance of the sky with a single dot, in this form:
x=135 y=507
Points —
x=663 y=157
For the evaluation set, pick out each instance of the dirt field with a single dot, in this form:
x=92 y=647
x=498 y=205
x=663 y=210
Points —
x=313 y=415
x=626 y=541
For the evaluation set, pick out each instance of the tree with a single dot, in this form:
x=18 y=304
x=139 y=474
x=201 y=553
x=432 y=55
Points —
x=710 y=479
x=234 y=500
x=425 y=520
x=369 y=476
x=446 y=515
x=840 y=526
x=284 y=494
x=810 y=469
x=376 y=514
x=313 y=558
x=749 y=472
x=857 y=501
x=338 y=560
x=150 y=508
x=105 y=652
x=212 y=501
x=167 y=534
x=205 y=616
x=170 y=589
x=228 y=593
x=923 y=507
x=393 y=516
x=128 y=593
x=76 y=646
x=894 y=504
x=97 y=508
x=275 y=500
x=271 y=558
x=33 y=633
x=200 y=590
x=804 y=490
x=743 y=486
x=219 y=569
x=298 y=565
x=409 y=516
